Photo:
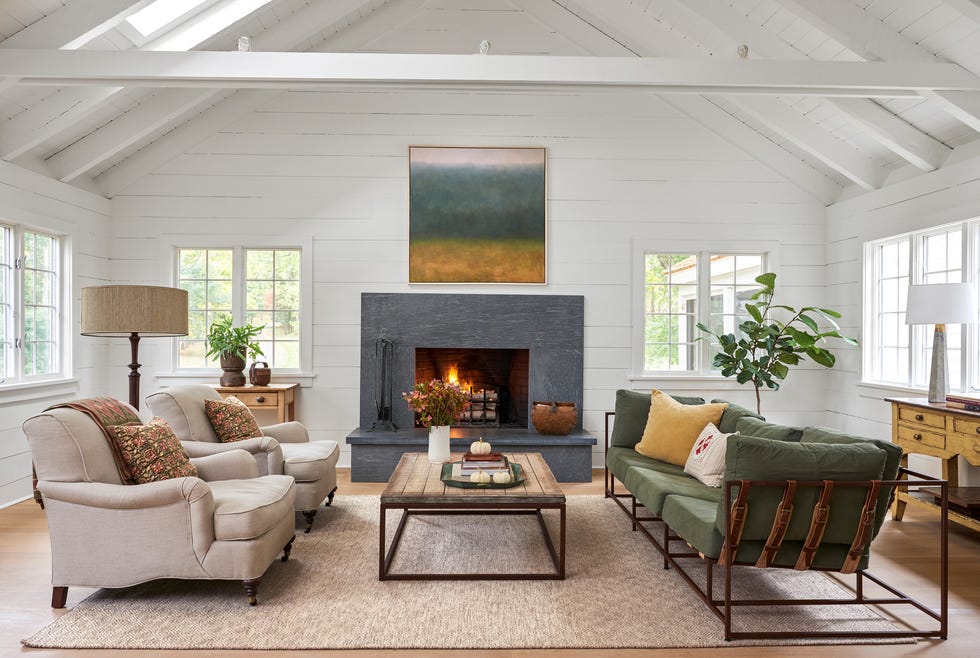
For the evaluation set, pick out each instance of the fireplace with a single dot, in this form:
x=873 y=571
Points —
x=517 y=348
x=496 y=381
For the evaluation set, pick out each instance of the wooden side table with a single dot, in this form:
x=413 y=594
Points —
x=278 y=397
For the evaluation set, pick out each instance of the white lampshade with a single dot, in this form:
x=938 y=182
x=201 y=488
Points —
x=941 y=303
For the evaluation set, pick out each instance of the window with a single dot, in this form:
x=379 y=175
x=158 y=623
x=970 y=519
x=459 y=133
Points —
x=261 y=287
x=31 y=303
x=896 y=353
x=682 y=288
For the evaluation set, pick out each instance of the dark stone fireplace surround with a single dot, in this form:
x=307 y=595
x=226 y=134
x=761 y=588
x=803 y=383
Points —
x=550 y=327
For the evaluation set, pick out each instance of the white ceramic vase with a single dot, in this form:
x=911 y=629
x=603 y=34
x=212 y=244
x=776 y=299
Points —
x=439 y=444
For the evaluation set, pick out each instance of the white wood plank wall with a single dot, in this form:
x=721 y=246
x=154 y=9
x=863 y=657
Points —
x=948 y=195
x=37 y=201
x=332 y=167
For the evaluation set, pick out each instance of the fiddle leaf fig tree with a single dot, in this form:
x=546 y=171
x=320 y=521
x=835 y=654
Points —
x=765 y=348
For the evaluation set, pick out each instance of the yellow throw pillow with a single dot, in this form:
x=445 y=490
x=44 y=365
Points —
x=672 y=427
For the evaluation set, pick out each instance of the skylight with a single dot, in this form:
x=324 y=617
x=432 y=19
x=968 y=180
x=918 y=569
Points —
x=158 y=14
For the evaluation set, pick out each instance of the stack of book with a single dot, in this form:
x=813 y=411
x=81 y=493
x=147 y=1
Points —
x=493 y=461
x=963 y=402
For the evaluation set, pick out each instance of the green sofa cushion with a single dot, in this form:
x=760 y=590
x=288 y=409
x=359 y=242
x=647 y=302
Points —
x=731 y=416
x=651 y=487
x=752 y=426
x=619 y=460
x=754 y=458
x=893 y=458
x=632 y=410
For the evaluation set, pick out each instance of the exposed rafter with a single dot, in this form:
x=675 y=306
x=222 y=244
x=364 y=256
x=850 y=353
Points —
x=296 y=70
x=912 y=144
x=74 y=24
x=872 y=39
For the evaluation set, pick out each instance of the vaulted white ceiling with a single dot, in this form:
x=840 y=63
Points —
x=902 y=99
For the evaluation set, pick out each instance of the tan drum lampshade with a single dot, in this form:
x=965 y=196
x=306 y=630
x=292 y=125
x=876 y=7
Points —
x=134 y=312
x=125 y=310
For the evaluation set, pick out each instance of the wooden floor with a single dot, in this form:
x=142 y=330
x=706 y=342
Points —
x=903 y=553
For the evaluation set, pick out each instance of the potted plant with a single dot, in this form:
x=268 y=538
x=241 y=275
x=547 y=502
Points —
x=767 y=347
x=232 y=345
x=437 y=404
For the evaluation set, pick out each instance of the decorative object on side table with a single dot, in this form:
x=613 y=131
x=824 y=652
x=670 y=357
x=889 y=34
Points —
x=232 y=345
x=437 y=404
x=556 y=418
x=941 y=304
x=259 y=376
x=767 y=346
x=134 y=312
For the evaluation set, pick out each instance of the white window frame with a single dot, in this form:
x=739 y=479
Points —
x=920 y=335
x=701 y=248
x=62 y=338
x=304 y=245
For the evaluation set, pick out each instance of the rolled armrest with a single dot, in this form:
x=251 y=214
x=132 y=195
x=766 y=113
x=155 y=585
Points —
x=265 y=450
x=120 y=496
x=230 y=465
x=291 y=432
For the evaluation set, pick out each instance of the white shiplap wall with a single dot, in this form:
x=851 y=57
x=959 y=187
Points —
x=947 y=195
x=37 y=201
x=331 y=167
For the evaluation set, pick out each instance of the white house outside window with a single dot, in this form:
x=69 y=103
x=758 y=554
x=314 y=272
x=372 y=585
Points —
x=31 y=302
x=681 y=289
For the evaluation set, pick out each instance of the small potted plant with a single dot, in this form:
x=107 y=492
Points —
x=232 y=345
x=438 y=405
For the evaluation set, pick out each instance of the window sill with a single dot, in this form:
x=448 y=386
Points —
x=695 y=382
x=305 y=379
x=894 y=389
x=47 y=388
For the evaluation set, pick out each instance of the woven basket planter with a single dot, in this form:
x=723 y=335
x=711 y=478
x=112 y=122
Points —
x=554 y=417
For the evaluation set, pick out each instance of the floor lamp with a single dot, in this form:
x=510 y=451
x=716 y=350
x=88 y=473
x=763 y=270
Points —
x=134 y=312
x=941 y=304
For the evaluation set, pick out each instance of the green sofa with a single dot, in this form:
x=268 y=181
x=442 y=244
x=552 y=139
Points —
x=760 y=459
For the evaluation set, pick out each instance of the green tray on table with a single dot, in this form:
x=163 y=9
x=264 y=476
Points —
x=516 y=472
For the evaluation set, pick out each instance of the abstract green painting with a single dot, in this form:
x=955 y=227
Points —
x=476 y=215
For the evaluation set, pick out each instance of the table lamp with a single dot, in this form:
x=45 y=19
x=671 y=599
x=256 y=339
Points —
x=941 y=304
x=134 y=312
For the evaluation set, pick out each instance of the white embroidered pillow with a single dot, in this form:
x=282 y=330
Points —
x=707 y=459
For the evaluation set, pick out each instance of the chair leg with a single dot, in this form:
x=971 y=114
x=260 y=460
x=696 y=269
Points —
x=59 y=596
x=287 y=549
x=330 y=497
x=309 y=514
x=252 y=590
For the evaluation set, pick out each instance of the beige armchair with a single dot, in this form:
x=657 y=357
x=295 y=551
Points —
x=226 y=524
x=285 y=449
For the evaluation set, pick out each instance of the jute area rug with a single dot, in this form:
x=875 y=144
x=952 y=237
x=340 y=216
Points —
x=327 y=596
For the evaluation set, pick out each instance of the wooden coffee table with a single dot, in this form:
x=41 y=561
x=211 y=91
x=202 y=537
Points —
x=416 y=487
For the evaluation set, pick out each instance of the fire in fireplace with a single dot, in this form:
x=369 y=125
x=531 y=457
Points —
x=496 y=381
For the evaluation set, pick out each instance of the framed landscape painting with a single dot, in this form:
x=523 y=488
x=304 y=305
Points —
x=476 y=215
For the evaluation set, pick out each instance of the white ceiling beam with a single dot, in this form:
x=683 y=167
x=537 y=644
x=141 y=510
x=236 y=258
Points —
x=901 y=138
x=642 y=37
x=284 y=70
x=872 y=39
x=834 y=153
x=28 y=129
x=122 y=132
x=169 y=105
x=74 y=24
x=969 y=8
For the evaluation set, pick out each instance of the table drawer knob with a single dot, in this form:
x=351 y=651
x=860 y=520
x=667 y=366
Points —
x=919 y=417
x=978 y=429
x=260 y=399
x=917 y=437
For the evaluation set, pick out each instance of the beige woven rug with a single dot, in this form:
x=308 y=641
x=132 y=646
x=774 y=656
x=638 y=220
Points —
x=328 y=596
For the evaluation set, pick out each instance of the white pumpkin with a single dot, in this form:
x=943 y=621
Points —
x=480 y=477
x=480 y=447
x=503 y=477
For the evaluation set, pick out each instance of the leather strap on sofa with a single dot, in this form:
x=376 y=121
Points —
x=737 y=516
x=780 y=523
x=863 y=534
x=818 y=524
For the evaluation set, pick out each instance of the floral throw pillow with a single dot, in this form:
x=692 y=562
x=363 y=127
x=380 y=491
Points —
x=707 y=459
x=231 y=419
x=151 y=452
